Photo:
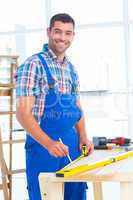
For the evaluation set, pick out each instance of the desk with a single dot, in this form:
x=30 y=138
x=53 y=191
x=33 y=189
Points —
x=52 y=187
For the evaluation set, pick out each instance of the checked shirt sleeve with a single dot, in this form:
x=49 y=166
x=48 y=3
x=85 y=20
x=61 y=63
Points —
x=28 y=79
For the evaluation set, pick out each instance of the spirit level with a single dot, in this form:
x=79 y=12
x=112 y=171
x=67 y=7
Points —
x=67 y=171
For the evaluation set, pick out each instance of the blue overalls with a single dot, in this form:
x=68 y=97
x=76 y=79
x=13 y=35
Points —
x=60 y=115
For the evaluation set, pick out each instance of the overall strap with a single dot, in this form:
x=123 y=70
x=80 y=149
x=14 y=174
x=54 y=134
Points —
x=48 y=73
x=72 y=72
x=73 y=76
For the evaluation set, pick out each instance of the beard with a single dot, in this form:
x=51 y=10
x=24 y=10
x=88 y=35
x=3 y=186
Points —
x=59 y=47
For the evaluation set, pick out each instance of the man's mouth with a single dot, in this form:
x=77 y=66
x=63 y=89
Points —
x=61 y=43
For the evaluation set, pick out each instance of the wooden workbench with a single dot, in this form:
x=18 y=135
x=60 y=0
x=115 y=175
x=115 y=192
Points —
x=52 y=187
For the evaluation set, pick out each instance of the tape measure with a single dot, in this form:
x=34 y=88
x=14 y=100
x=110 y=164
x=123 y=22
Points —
x=85 y=150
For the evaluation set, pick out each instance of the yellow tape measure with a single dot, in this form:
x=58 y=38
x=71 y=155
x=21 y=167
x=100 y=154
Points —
x=85 y=150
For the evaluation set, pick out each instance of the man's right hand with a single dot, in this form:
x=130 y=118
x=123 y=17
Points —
x=57 y=149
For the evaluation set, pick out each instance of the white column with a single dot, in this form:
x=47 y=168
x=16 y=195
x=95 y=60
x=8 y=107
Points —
x=20 y=41
x=129 y=70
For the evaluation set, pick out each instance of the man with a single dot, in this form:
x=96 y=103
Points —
x=48 y=107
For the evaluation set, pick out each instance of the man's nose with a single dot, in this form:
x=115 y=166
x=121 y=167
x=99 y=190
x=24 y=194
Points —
x=62 y=37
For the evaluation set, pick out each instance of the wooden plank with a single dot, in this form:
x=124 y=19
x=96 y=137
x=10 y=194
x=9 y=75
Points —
x=70 y=170
x=1 y=186
x=9 y=56
x=7 y=112
x=7 y=85
x=13 y=141
x=121 y=172
x=17 y=171
x=5 y=92
x=4 y=172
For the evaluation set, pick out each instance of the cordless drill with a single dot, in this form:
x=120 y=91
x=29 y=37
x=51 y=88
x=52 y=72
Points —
x=101 y=142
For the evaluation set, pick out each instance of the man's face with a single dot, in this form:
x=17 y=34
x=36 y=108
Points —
x=60 y=36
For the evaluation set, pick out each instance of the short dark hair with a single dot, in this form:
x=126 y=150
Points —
x=63 y=17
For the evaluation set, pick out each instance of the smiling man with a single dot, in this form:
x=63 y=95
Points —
x=48 y=107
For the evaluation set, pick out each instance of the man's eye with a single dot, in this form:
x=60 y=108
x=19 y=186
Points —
x=69 y=33
x=57 y=31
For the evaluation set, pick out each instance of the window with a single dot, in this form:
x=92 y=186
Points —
x=7 y=44
x=131 y=57
x=28 y=13
x=34 y=42
x=19 y=20
x=88 y=11
x=98 y=54
x=130 y=7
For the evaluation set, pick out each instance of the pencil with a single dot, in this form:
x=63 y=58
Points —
x=67 y=154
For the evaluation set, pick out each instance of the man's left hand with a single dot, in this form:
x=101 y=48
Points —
x=88 y=143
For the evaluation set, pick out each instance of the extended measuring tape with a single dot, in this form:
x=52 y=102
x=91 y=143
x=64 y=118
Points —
x=90 y=166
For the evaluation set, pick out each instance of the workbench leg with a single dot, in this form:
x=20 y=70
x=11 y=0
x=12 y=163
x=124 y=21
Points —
x=97 y=190
x=126 y=190
x=51 y=190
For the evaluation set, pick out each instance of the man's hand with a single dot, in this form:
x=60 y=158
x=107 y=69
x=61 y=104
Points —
x=88 y=143
x=57 y=149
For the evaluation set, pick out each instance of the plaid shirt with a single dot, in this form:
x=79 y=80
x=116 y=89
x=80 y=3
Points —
x=31 y=79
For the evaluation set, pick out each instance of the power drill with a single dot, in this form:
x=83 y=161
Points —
x=120 y=141
x=101 y=142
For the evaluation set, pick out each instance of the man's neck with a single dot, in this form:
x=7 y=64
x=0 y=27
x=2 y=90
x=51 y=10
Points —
x=60 y=57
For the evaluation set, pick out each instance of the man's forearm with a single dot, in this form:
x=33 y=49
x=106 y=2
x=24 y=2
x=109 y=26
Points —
x=80 y=126
x=31 y=126
x=83 y=135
